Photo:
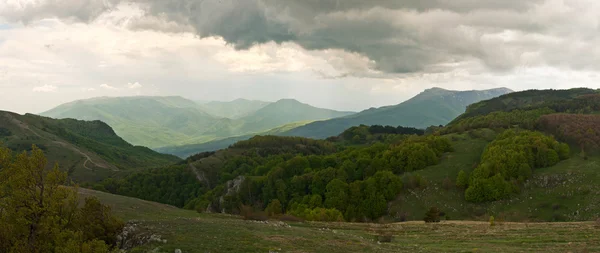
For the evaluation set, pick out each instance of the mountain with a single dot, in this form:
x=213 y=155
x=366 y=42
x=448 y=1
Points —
x=286 y=111
x=167 y=121
x=431 y=107
x=88 y=150
x=185 y=151
x=148 y=121
x=234 y=109
x=527 y=156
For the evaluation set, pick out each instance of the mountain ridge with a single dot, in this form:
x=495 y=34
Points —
x=436 y=106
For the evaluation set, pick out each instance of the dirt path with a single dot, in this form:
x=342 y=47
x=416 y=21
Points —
x=87 y=157
x=63 y=144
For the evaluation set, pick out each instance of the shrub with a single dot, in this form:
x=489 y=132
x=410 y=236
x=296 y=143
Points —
x=462 y=180
x=274 y=208
x=433 y=215
x=447 y=183
x=492 y=221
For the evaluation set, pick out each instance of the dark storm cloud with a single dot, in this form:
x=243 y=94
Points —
x=398 y=36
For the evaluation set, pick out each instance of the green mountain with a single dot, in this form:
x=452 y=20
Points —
x=166 y=121
x=286 y=111
x=147 y=121
x=234 y=109
x=525 y=156
x=88 y=150
x=431 y=107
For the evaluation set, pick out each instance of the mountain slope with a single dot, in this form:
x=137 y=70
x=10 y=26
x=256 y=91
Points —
x=149 y=121
x=434 y=106
x=286 y=111
x=234 y=109
x=88 y=150
x=167 y=121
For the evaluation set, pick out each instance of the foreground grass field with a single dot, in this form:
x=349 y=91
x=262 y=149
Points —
x=193 y=232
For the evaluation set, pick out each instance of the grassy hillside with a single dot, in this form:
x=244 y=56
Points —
x=193 y=232
x=432 y=107
x=89 y=151
x=233 y=109
x=168 y=121
x=185 y=151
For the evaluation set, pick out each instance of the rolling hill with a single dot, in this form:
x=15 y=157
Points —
x=167 y=121
x=431 y=107
x=88 y=150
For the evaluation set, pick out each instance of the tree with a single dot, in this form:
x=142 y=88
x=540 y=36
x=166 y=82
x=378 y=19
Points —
x=337 y=195
x=433 y=215
x=462 y=181
x=39 y=214
x=274 y=208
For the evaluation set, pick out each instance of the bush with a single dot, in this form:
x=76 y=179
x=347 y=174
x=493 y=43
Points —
x=492 y=221
x=433 y=215
x=447 y=184
x=274 y=208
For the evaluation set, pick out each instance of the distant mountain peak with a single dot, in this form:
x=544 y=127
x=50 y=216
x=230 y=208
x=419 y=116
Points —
x=288 y=100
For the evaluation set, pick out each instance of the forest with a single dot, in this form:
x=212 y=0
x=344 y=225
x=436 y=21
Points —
x=355 y=175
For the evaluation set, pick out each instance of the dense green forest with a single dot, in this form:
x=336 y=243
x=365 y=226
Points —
x=367 y=172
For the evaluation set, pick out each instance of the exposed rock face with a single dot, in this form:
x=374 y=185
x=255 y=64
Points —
x=133 y=235
x=231 y=187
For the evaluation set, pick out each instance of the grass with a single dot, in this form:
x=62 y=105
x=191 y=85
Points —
x=194 y=232
x=567 y=191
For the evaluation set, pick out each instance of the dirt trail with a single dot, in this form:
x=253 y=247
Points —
x=87 y=157
x=63 y=144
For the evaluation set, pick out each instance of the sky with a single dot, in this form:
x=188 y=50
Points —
x=339 y=54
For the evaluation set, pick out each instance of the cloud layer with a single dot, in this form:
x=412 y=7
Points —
x=342 y=54
x=394 y=37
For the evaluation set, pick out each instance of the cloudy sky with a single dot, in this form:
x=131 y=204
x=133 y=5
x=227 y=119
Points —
x=341 y=54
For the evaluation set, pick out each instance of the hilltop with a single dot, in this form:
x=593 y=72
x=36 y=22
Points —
x=88 y=150
x=431 y=107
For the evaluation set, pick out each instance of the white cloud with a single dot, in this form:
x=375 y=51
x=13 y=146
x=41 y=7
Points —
x=45 y=88
x=135 y=85
x=107 y=87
